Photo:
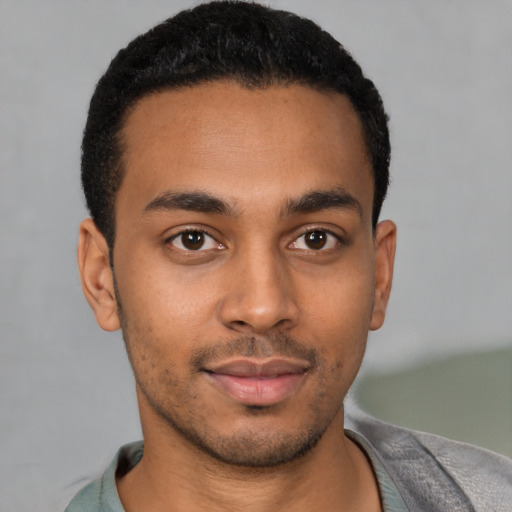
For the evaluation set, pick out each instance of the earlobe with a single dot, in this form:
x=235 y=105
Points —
x=96 y=275
x=385 y=245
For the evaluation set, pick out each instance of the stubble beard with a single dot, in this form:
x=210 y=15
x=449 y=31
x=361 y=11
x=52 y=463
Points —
x=249 y=449
x=252 y=447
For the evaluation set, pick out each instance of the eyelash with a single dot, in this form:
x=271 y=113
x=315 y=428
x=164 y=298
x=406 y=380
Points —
x=181 y=234
x=338 y=240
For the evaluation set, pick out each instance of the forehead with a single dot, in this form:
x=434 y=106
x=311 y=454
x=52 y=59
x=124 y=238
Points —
x=243 y=143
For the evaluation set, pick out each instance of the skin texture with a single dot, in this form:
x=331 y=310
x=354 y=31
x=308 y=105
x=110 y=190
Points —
x=237 y=171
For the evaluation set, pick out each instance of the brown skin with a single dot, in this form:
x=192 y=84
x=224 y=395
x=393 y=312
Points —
x=257 y=288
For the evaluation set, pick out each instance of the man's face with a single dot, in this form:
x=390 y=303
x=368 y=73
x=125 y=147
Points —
x=245 y=264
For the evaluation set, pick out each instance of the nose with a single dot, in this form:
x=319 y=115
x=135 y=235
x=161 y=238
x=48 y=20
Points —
x=260 y=296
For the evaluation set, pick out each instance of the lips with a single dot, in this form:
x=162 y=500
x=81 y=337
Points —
x=258 y=383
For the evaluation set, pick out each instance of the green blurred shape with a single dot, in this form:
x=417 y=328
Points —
x=466 y=397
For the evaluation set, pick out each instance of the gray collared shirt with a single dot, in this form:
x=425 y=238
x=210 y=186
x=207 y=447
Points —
x=101 y=494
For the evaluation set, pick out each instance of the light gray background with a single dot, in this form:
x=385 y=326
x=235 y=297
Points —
x=444 y=70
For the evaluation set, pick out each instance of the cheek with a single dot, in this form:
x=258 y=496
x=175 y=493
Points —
x=342 y=302
x=339 y=313
x=164 y=297
x=160 y=323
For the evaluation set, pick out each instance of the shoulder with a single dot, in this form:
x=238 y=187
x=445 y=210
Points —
x=101 y=495
x=485 y=476
x=87 y=499
x=431 y=471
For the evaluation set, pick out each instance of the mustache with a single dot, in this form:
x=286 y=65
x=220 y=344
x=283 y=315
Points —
x=272 y=345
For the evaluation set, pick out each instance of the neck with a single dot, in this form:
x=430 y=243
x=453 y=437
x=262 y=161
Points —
x=174 y=476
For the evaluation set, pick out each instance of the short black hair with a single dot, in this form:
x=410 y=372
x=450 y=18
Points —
x=251 y=44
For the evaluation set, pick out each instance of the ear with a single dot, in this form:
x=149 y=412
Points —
x=96 y=275
x=385 y=245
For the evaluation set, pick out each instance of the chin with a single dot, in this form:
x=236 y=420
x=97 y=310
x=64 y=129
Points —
x=258 y=441
x=258 y=450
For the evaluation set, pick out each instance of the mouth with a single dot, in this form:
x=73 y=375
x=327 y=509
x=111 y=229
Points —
x=254 y=382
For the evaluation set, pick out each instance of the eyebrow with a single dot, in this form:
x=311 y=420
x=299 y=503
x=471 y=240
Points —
x=202 y=202
x=191 y=201
x=317 y=200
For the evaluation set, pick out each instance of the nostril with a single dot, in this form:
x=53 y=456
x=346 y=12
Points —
x=240 y=325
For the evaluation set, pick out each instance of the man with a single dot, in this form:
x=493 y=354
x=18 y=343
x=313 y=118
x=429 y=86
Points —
x=235 y=161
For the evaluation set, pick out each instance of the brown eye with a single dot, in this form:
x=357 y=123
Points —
x=315 y=239
x=194 y=240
